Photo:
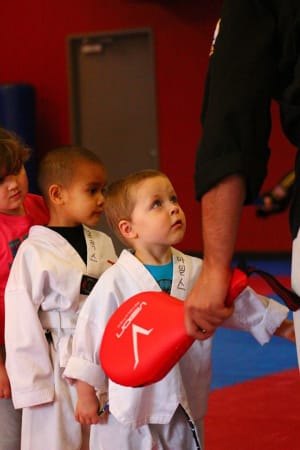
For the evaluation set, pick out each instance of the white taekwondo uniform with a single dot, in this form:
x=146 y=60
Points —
x=295 y=282
x=44 y=293
x=133 y=409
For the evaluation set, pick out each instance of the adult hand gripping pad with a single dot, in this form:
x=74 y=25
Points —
x=146 y=336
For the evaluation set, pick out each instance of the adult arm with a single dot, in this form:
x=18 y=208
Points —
x=221 y=211
x=233 y=152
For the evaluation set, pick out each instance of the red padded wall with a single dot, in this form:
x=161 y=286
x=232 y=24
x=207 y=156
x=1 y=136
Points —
x=34 y=50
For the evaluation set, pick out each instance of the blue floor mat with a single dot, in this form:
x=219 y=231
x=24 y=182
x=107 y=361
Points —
x=237 y=357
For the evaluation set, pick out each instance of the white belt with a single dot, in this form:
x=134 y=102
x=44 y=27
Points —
x=53 y=320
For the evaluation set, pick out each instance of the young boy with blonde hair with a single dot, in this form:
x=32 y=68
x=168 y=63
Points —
x=143 y=211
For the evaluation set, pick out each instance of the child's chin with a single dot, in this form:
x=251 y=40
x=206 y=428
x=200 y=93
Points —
x=92 y=222
x=177 y=240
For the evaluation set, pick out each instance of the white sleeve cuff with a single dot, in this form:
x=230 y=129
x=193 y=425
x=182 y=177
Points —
x=257 y=314
x=81 y=369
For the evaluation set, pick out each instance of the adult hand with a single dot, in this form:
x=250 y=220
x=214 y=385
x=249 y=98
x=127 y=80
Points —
x=205 y=307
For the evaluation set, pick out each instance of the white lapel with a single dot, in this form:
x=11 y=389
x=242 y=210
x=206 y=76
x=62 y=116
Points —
x=180 y=275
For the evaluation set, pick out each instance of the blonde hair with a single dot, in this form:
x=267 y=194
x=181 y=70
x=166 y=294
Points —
x=57 y=166
x=120 y=198
x=13 y=153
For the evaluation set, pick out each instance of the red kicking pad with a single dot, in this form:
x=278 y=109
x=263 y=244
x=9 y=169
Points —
x=146 y=336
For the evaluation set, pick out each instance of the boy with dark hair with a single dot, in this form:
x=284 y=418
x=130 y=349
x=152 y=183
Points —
x=54 y=270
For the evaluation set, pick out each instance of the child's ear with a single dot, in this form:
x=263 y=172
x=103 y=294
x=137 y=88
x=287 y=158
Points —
x=55 y=193
x=126 y=229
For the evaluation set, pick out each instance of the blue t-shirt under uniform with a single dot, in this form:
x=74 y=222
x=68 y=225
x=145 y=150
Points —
x=163 y=275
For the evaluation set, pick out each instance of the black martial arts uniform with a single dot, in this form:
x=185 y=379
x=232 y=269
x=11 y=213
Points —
x=255 y=59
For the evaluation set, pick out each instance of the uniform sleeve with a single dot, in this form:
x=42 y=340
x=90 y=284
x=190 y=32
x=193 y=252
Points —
x=84 y=362
x=259 y=315
x=27 y=353
x=289 y=67
x=236 y=110
x=289 y=98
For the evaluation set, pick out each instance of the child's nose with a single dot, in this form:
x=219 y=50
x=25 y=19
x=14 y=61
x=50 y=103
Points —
x=101 y=199
x=174 y=209
x=12 y=181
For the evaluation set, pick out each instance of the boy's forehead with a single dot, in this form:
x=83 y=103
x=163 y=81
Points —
x=88 y=168
x=154 y=185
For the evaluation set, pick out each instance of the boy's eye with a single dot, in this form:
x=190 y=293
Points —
x=174 y=199
x=93 y=189
x=97 y=189
x=156 y=204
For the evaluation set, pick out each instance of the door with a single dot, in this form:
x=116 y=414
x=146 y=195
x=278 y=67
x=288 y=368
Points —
x=113 y=101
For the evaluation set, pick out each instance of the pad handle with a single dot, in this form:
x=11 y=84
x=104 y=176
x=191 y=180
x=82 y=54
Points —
x=238 y=283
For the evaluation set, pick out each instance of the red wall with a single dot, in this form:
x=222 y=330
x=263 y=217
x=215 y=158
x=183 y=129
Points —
x=34 y=50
